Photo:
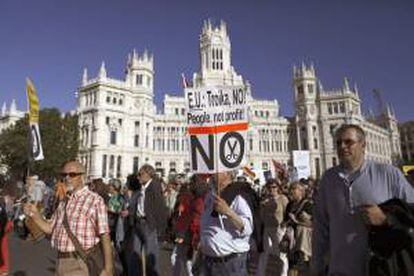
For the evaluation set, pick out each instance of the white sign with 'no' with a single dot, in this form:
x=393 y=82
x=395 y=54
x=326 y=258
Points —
x=217 y=127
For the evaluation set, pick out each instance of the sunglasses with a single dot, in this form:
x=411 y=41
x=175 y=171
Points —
x=70 y=174
x=347 y=142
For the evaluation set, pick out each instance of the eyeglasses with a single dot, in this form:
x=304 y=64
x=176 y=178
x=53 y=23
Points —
x=347 y=142
x=70 y=174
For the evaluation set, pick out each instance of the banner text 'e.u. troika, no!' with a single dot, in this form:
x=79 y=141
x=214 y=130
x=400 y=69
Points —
x=216 y=98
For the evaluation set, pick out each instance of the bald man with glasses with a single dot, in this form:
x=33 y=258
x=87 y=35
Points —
x=347 y=205
x=86 y=217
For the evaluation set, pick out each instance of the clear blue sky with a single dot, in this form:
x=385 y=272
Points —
x=370 y=41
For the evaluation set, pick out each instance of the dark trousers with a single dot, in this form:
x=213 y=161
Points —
x=142 y=239
x=236 y=266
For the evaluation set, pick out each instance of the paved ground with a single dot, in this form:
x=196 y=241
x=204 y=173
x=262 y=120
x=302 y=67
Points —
x=31 y=259
x=38 y=259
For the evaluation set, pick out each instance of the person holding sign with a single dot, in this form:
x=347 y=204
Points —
x=226 y=227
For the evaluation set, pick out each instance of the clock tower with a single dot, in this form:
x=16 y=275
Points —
x=215 y=59
x=306 y=93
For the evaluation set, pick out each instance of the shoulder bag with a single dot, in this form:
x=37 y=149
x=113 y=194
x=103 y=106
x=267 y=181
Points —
x=94 y=258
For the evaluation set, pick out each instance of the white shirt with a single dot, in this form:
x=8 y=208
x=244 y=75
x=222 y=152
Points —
x=216 y=241
x=141 y=200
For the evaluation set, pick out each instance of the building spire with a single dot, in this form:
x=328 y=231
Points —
x=388 y=110
x=13 y=107
x=303 y=67
x=84 y=77
x=320 y=86
x=294 y=70
x=356 y=91
x=312 y=68
x=102 y=71
x=145 y=55
x=393 y=110
x=346 y=85
x=223 y=27
x=134 y=61
x=3 y=109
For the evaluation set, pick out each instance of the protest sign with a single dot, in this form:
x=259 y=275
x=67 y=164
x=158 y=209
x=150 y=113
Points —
x=217 y=127
x=301 y=161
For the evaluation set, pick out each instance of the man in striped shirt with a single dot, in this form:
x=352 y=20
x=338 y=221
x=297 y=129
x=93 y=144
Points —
x=87 y=218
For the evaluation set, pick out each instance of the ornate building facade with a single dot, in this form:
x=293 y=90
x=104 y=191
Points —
x=121 y=128
x=319 y=112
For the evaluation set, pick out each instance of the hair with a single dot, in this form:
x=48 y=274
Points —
x=299 y=185
x=360 y=132
x=271 y=181
x=198 y=185
x=132 y=182
x=116 y=183
x=149 y=170
x=100 y=188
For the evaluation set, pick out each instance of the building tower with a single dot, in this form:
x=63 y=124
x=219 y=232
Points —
x=389 y=121
x=215 y=58
x=140 y=72
x=306 y=114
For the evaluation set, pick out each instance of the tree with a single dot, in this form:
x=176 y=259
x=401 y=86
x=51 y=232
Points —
x=60 y=141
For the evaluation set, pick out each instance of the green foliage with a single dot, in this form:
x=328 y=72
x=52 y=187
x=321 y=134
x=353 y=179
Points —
x=60 y=143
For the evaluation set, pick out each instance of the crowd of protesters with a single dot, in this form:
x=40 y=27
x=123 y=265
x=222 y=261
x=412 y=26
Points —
x=222 y=224
x=183 y=199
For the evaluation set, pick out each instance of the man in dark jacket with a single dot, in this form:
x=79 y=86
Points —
x=392 y=244
x=147 y=218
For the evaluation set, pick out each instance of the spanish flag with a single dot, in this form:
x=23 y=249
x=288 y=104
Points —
x=247 y=171
x=35 y=141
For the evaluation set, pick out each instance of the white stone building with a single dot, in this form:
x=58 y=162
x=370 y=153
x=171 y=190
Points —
x=9 y=117
x=407 y=141
x=121 y=129
x=319 y=112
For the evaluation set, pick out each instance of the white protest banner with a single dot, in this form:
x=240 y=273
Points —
x=301 y=161
x=217 y=126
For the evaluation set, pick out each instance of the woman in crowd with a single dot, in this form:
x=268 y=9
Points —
x=299 y=218
x=273 y=208
x=187 y=228
x=115 y=204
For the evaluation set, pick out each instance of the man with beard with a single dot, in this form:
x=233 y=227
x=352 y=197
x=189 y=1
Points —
x=86 y=216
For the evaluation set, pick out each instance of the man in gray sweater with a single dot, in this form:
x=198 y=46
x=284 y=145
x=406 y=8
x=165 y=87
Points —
x=347 y=204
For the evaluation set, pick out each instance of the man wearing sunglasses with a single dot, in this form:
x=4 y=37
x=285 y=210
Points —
x=347 y=205
x=87 y=219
